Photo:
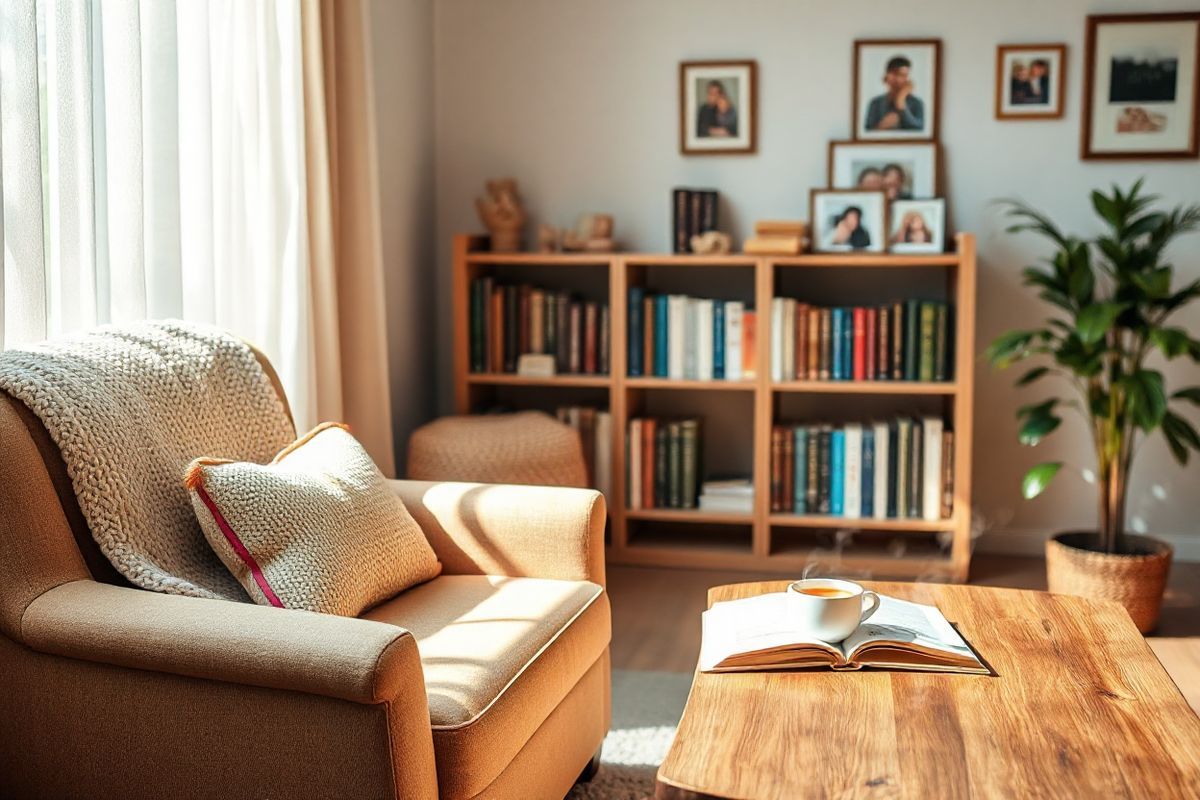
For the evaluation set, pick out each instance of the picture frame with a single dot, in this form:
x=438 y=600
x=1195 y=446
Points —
x=917 y=226
x=851 y=163
x=718 y=107
x=1141 y=91
x=894 y=63
x=1031 y=82
x=834 y=227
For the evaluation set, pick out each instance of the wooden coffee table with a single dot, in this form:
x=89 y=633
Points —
x=1078 y=708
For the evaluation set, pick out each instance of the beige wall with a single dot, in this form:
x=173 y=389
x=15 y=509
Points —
x=402 y=61
x=578 y=100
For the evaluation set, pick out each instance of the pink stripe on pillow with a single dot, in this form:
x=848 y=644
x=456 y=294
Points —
x=239 y=548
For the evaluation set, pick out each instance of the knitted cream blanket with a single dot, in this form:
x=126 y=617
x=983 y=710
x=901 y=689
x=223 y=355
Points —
x=129 y=408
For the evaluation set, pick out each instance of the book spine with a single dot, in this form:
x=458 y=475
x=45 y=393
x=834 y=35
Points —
x=718 y=339
x=800 y=362
x=915 y=471
x=476 y=326
x=814 y=344
x=859 y=344
x=871 y=322
x=883 y=363
x=912 y=333
x=695 y=215
x=704 y=340
x=676 y=344
x=941 y=333
x=674 y=467
x=679 y=212
x=512 y=309
x=562 y=309
x=867 y=486
x=690 y=456
x=604 y=341
x=847 y=344
x=776 y=469
x=925 y=368
x=733 y=340
x=575 y=365
x=591 y=324
x=823 y=470
x=523 y=326
x=691 y=370
x=649 y=429
x=882 y=470
x=789 y=339
x=537 y=321
x=931 y=477
x=826 y=359
x=633 y=460
x=897 y=341
x=789 y=476
x=903 y=434
x=708 y=213
x=800 y=469
x=947 y=482
x=835 y=368
x=662 y=328
x=636 y=331
x=776 y=334
x=813 y=471
x=837 y=472
x=496 y=357
x=852 y=460
x=749 y=346
x=551 y=315
x=661 y=466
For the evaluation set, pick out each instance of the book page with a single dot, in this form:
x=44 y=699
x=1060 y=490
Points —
x=909 y=626
x=755 y=625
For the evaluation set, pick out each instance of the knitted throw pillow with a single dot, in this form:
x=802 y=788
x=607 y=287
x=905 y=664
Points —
x=316 y=529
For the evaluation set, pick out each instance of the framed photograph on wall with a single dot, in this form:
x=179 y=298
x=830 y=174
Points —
x=917 y=226
x=896 y=87
x=902 y=170
x=848 y=221
x=717 y=107
x=1141 y=86
x=1030 y=81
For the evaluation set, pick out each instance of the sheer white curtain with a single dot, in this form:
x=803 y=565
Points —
x=152 y=164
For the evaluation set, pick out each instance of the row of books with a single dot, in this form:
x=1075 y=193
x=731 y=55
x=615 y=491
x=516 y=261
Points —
x=901 y=341
x=662 y=467
x=901 y=469
x=595 y=435
x=508 y=321
x=693 y=212
x=690 y=338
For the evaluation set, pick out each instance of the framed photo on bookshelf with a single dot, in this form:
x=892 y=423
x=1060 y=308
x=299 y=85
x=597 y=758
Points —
x=902 y=170
x=917 y=226
x=848 y=220
x=1030 y=81
x=1141 y=91
x=896 y=89
x=717 y=107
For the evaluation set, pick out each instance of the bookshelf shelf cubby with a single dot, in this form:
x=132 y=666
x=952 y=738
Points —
x=749 y=408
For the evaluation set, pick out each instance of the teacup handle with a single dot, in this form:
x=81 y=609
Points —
x=874 y=603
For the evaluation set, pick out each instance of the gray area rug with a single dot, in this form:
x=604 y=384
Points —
x=646 y=711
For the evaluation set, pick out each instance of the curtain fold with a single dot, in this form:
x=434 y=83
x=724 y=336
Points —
x=345 y=243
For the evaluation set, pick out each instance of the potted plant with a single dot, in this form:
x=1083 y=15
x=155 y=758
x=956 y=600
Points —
x=1114 y=298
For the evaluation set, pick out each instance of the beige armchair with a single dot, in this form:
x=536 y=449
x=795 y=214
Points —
x=492 y=680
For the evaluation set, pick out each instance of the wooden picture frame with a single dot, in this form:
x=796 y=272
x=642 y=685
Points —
x=932 y=96
x=691 y=141
x=880 y=222
x=1055 y=110
x=933 y=209
x=1089 y=148
x=833 y=181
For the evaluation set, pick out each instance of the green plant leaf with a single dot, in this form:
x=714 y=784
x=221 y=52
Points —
x=1036 y=427
x=1032 y=375
x=1008 y=347
x=1192 y=394
x=1094 y=321
x=1156 y=283
x=1180 y=436
x=1147 y=399
x=1107 y=208
x=1172 y=342
x=1038 y=478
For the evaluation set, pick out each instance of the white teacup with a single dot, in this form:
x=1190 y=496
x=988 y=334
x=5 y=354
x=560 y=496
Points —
x=828 y=608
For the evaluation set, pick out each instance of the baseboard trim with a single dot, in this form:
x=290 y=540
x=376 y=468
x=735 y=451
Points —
x=1033 y=543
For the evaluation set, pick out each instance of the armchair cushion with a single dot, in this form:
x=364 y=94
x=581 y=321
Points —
x=317 y=529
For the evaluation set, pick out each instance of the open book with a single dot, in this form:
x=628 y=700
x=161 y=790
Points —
x=756 y=633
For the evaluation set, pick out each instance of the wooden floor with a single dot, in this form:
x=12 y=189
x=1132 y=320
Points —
x=656 y=613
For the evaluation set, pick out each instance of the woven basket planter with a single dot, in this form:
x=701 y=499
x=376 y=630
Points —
x=1136 y=581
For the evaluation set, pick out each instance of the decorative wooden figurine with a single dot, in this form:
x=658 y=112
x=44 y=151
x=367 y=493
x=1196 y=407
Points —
x=712 y=243
x=593 y=233
x=502 y=214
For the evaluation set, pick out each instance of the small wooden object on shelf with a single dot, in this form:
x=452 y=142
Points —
x=759 y=540
x=502 y=214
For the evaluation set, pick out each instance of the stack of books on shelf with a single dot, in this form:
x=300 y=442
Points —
x=595 y=434
x=901 y=341
x=690 y=338
x=693 y=212
x=732 y=496
x=901 y=469
x=662 y=467
x=508 y=321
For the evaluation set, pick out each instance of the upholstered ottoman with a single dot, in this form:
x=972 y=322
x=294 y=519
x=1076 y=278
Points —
x=528 y=447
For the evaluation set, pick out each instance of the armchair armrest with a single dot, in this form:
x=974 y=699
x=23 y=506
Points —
x=529 y=531
x=351 y=659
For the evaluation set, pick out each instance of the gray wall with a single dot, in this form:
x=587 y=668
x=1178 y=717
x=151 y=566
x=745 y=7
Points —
x=578 y=100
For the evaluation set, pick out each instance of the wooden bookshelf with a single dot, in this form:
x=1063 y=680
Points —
x=785 y=543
